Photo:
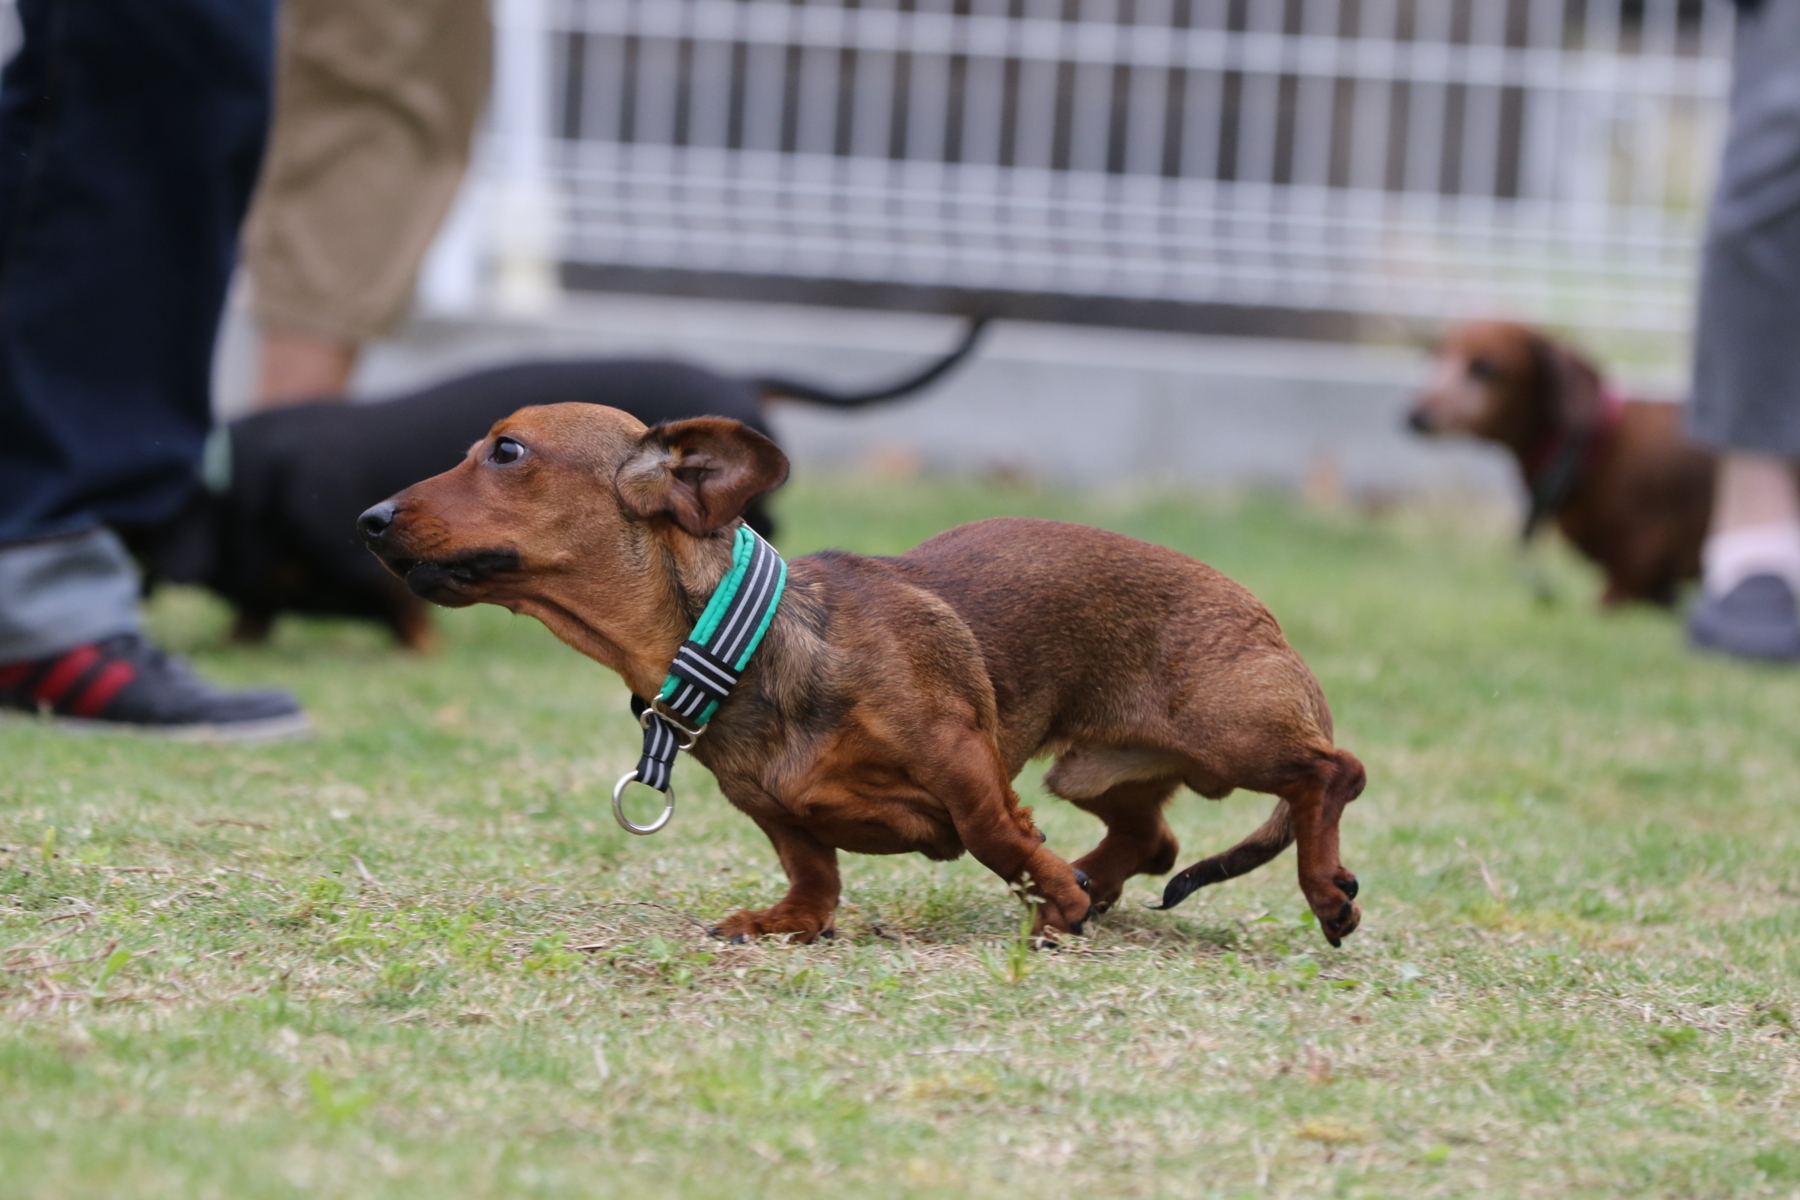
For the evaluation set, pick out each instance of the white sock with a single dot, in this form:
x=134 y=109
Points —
x=1734 y=555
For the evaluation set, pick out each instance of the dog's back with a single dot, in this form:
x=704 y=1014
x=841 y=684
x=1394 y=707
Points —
x=1091 y=636
x=381 y=447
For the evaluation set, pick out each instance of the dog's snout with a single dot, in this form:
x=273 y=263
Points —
x=375 y=521
x=1418 y=421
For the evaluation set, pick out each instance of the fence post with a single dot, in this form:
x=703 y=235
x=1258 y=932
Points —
x=523 y=217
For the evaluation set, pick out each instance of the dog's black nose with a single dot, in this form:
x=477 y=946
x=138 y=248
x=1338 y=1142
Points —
x=1416 y=421
x=373 y=523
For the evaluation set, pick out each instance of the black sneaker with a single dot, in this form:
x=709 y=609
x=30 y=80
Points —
x=1756 y=619
x=126 y=683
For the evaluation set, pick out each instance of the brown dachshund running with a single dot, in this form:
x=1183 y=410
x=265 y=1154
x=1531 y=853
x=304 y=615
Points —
x=893 y=699
x=1623 y=483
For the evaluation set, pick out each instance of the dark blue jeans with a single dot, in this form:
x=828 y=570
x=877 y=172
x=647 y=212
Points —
x=131 y=132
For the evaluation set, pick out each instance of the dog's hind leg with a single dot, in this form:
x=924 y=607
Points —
x=1313 y=798
x=1271 y=838
x=1138 y=839
x=1317 y=803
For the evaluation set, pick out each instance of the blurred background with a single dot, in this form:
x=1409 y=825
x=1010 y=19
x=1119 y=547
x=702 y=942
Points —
x=1219 y=233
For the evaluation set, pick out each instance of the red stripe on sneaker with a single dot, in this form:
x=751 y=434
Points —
x=62 y=676
x=98 y=694
x=14 y=675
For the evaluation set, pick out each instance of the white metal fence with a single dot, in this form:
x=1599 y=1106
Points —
x=1422 y=158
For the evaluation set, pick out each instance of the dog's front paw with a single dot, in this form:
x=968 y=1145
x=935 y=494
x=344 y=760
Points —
x=1059 y=893
x=749 y=924
x=1333 y=901
x=1343 y=925
x=1339 y=915
x=1103 y=891
x=1054 y=918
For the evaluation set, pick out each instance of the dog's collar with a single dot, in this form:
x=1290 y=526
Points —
x=1555 y=466
x=706 y=668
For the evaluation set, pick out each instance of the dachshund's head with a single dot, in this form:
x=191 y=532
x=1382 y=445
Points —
x=1505 y=383
x=580 y=516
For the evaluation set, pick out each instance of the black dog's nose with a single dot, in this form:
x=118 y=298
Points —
x=1416 y=421
x=373 y=523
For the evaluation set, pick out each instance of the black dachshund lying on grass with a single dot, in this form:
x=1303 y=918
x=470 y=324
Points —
x=275 y=530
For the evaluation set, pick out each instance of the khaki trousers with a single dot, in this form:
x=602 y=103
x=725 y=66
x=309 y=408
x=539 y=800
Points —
x=375 y=106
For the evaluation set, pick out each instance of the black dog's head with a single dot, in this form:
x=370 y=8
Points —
x=276 y=534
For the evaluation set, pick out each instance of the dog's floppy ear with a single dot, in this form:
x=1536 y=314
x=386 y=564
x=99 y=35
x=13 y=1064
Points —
x=1571 y=385
x=700 y=473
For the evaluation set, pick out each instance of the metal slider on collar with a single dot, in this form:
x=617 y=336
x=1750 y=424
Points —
x=658 y=708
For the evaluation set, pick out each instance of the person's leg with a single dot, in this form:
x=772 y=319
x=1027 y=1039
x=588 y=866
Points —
x=1746 y=399
x=295 y=365
x=134 y=130
x=375 y=109
x=1756 y=523
x=62 y=592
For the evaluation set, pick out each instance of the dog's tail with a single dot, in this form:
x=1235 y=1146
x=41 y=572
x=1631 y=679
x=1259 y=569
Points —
x=1344 y=783
x=1271 y=838
x=813 y=394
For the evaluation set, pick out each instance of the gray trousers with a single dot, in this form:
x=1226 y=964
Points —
x=58 y=593
x=1747 y=341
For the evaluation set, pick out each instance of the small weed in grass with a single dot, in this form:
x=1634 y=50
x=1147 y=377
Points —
x=1669 y=1041
x=333 y=1103
x=1013 y=963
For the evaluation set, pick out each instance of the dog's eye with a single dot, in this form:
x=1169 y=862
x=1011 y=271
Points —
x=506 y=451
x=1485 y=369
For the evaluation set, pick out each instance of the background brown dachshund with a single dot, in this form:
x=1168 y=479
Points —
x=1621 y=480
x=894 y=699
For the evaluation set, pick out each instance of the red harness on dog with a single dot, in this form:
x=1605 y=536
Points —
x=1555 y=467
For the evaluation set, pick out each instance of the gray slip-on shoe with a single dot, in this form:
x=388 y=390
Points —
x=1756 y=620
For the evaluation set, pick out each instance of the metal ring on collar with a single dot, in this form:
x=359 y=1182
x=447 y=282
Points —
x=672 y=721
x=619 y=807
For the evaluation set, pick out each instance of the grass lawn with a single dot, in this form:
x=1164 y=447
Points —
x=415 y=956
